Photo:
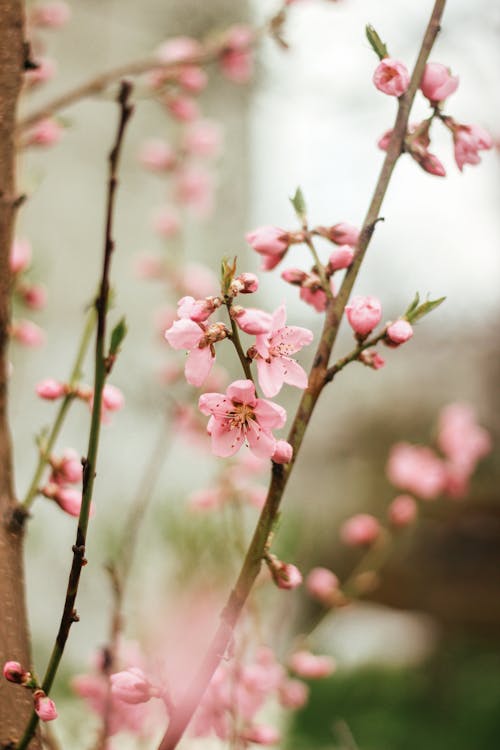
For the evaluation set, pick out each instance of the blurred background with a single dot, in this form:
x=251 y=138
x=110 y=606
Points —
x=418 y=660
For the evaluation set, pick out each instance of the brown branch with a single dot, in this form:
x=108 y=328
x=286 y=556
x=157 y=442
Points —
x=15 y=703
x=69 y=615
x=280 y=474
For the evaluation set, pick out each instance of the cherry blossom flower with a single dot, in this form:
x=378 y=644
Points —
x=399 y=332
x=437 y=82
x=199 y=340
x=360 y=530
x=468 y=141
x=45 y=708
x=416 y=468
x=238 y=416
x=363 y=314
x=391 y=77
x=270 y=242
x=274 y=364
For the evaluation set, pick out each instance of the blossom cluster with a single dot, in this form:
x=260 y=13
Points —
x=44 y=707
x=29 y=294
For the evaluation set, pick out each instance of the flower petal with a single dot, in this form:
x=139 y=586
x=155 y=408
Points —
x=269 y=415
x=242 y=392
x=199 y=362
x=226 y=439
x=261 y=442
x=184 y=334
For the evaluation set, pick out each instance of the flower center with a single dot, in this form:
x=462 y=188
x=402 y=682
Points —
x=241 y=415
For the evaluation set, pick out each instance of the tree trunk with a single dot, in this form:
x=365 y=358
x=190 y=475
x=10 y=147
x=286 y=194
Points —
x=15 y=702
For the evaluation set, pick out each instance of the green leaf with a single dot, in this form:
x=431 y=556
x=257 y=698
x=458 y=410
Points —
x=117 y=335
x=299 y=204
x=376 y=42
x=424 y=309
x=413 y=306
x=227 y=274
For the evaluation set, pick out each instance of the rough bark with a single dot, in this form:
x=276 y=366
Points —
x=15 y=702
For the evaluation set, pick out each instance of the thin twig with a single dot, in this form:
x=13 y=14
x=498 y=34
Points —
x=69 y=615
x=280 y=474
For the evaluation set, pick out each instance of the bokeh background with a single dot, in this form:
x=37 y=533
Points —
x=419 y=664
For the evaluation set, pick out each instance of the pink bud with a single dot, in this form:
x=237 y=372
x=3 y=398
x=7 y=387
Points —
x=402 y=511
x=399 y=332
x=45 y=71
x=179 y=49
x=270 y=242
x=157 y=155
x=311 y=666
x=391 y=77
x=45 y=708
x=192 y=78
x=34 y=296
x=360 y=530
x=437 y=82
x=322 y=584
x=294 y=276
x=51 y=15
x=343 y=234
x=131 y=686
x=282 y=453
x=46 y=132
x=50 y=389
x=261 y=735
x=20 y=256
x=70 y=466
x=363 y=314
x=183 y=108
x=203 y=138
x=69 y=500
x=431 y=164
x=166 y=222
x=251 y=320
x=293 y=694
x=340 y=258
x=245 y=283
x=372 y=359
x=14 y=672
x=285 y=575
x=27 y=333
x=112 y=398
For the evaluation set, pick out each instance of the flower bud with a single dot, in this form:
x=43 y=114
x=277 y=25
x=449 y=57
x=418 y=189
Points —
x=343 y=234
x=371 y=358
x=45 y=708
x=271 y=242
x=285 y=575
x=282 y=453
x=340 y=258
x=399 y=332
x=311 y=666
x=363 y=314
x=251 y=320
x=360 y=530
x=322 y=584
x=294 y=276
x=437 y=82
x=131 y=686
x=14 y=672
x=50 y=389
x=245 y=283
x=402 y=511
x=391 y=77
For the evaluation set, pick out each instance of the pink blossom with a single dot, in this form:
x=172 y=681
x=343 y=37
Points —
x=45 y=71
x=198 y=310
x=183 y=108
x=20 y=256
x=313 y=293
x=192 y=78
x=343 y=234
x=51 y=389
x=245 y=283
x=274 y=347
x=360 y=530
x=68 y=499
x=14 y=672
x=27 y=333
x=236 y=61
x=239 y=416
x=179 y=49
x=112 y=398
x=285 y=575
x=198 y=339
x=194 y=187
x=310 y=666
x=372 y=359
x=51 y=15
x=363 y=314
x=166 y=222
x=437 y=82
x=283 y=452
x=203 y=138
x=261 y=734
x=34 y=296
x=399 y=332
x=340 y=258
x=417 y=469
x=293 y=694
x=45 y=708
x=45 y=132
x=460 y=438
x=69 y=467
x=294 y=276
x=402 y=511
x=322 y=584
x=270 y=242
x=131 y=686
x=252 y=320
x=468 y=141
x=157 y=155
x=391 y=77
x=430 y=163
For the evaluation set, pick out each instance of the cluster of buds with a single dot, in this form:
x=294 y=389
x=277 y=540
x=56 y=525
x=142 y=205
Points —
x=66 y=470
x=53 y=390
x=29 y=294
x=44 y=707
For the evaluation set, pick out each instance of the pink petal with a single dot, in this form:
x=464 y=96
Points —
x=262 y=344
x=279 y=318
x=294 y=337
x=270 y=374
x=242 y=391
x=226 y=440
x=199 y=362
x=261 y=442
x=293 y=373
x=269 y=415
x=184 y=334
x=214 y=403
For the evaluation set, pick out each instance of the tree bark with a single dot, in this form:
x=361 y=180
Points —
x=15 y=701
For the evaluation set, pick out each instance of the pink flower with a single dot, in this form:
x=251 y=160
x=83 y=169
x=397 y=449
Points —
x=166 y=222
x=198 y=310
x=468 y=141
x=68 y=468
x=391 y=77
x=252 y=320
x=460 y=438
x=270 y=242
x=112 y=398
x=20 y=256
x=417 y=469
x=274 y=347
x=340 y=258
x=360 y=530
x=430 y=163
x=199 y=340
x=183 y=108
x=69 y=500
x=363 y=314
x=399 y=332
x=311 y=666
x=402 y=511
x=283 y=452
x=51 y=15
x=437 y=82
x=131 y=686
x=45 y=708
x=157 y=155
x=239 y=416
x=293 y=694
x=179 y=49
x=51 y=389
x=322 y=584
x=285 y=575
x=343 y=234
x=27 y=333
x=372 y=359
x=34 y=296
x=245 y=283
x=192 y=78
x=203 y=138
x=236 y=61
x=14 y=672
x=313 y=293
x=45 y=132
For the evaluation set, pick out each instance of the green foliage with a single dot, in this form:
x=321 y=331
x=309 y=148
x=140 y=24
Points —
x=376 y=42
x=416 y=310
x=299 y=204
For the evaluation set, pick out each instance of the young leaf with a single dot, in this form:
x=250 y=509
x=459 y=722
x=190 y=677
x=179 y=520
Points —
x=413 y=305
x=117 y=335
x=424 y=309
x=376 y=42
x=299 y=204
